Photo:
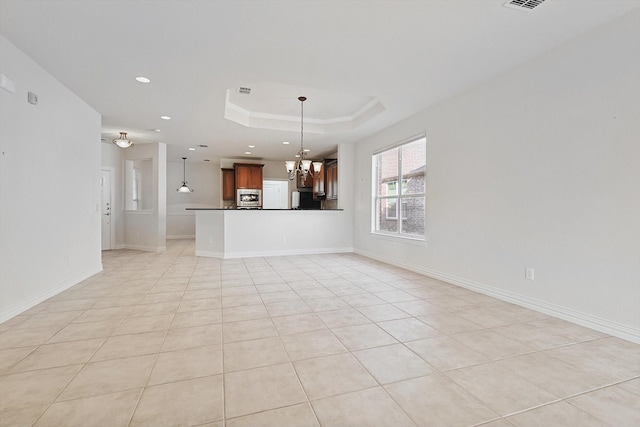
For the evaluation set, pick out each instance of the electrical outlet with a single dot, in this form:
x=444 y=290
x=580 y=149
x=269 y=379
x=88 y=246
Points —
x=529 y=273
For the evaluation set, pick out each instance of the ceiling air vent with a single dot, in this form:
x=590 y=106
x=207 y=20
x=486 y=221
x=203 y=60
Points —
x=244 y=90
x=203 y=146
x=525 y=5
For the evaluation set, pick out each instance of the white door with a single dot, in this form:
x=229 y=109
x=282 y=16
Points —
x=105 y=185
x=275 y=194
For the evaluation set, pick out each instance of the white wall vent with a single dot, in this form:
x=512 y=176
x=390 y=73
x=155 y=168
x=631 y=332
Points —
x=244 y=90
x=524 y=5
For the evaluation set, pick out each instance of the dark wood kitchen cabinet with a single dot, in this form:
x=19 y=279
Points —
x=331 y=179
x=228 y=184
x=248 y=175
x=305 y=183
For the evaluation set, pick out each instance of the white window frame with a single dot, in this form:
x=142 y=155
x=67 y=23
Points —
x=400 y=196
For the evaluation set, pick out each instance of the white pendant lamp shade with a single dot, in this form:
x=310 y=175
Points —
x=123 y=141
x=184 y=188
x=317 y=167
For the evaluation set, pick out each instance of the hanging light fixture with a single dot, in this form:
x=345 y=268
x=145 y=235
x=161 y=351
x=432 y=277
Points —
x=123 y=142
x=184 y=188
x=301 y=166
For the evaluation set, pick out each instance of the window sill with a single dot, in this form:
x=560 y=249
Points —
x=417 y=241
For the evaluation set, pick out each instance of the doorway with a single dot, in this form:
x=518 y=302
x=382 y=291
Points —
x=106 y=209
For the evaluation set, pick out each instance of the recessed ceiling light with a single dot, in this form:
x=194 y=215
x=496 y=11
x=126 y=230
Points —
x=285 y=142
x=165 y=117
x=192 y=149
x=247 y=152
x=297 y=155
x=142 y=79
x=157 y=130
x=306 y=150
x=252 y=146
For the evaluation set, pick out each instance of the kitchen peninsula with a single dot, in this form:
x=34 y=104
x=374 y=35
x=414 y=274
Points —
x=239 y=233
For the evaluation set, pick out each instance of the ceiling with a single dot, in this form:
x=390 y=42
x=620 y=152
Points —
x=403 y=55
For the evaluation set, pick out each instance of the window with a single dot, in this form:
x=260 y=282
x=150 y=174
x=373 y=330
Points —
x=407 y=164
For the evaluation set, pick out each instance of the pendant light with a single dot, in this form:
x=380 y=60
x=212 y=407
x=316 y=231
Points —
x=301 y=166
x=184 y=188
x=123 y=142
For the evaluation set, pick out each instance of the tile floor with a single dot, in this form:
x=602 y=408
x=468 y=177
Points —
x=332 y=340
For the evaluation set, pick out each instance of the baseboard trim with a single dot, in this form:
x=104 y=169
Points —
x=180 y=236
x=25 y=305
x=584 y=319
x=145 y=248
x=234 y=255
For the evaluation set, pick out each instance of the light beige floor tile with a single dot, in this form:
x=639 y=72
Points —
x=249 y=330
x=363 y=300
x=445 y=353
x=312 y=344
x=42 y=320
x=573 y=332
x=107 y=409
x=84 y=331
x=411 y=329
x=237 y=300
x=359 y=337
x=187 y=364
x=559 y=378
x=129 y=346
x=197 y=318
x=30 y=393
x=287 y=308
x=559 y=414
x=380 y=313
x=502 y=390
x=261 y=389
x=419 y=307
x=326 y=304
x=199 y=304
x=254 y=354
x=59 y=354
x=109 y=376
x=15 y=338
x=279 y=296
x=441 y=402
x=136 y=325
x=195 y=336
x=396 y=296
x=201 y=294
x=316 y=293
x=161 y=297
x=613 y=405
x=298 y=323
x=632 y=386
x=292 y=416
x=100 y=314
x=189 y=402
x=330 y=375
x=372 y=407
x=244 y=312
x=14 y=321
x=536 y=337
x=71 y=305
x=12 y=356
x=449 y=324
x=501 y=422
x=491 y=344
x=239 y=290
x=275 y=287
x=142 y=310
x=343 y=317
x=393 y=363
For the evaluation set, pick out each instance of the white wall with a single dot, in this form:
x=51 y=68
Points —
x=49 y=186
x=205 y=180
x=537 y=168
x=147 y=230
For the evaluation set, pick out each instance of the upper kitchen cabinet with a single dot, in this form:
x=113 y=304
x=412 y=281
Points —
x=228 y=184
x=331 y=179
x=248 y=175
x=304 y=182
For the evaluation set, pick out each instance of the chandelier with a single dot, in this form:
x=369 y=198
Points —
x=184 y=188
x=123 y=141
x=302 y=166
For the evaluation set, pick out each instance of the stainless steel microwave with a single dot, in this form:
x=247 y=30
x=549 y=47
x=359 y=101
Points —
x=249 y=198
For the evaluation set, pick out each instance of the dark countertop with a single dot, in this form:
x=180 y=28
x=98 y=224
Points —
x=251 y=209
